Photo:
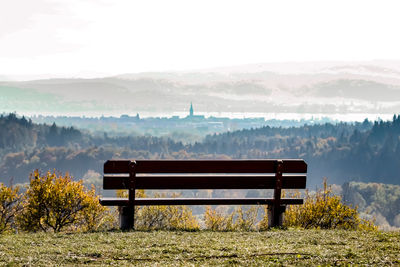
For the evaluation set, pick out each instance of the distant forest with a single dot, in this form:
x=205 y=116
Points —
x=380 y=202
x=364 y=152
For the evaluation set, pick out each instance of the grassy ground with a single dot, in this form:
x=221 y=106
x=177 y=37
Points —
x=277 y=247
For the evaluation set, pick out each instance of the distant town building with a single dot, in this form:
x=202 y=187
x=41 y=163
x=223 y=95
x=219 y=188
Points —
x=191 y=114
x=191 y=110
x=126 y=117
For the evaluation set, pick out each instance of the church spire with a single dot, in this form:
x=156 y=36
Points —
x=191 y=110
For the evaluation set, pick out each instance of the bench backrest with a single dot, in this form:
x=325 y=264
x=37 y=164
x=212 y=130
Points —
x=184 y=174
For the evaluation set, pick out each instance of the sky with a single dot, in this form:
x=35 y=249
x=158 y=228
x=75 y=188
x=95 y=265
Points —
x=107 y=37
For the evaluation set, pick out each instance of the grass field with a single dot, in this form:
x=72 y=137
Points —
x=276 y=247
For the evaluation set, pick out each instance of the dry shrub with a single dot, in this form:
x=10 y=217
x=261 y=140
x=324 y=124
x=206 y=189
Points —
x=55 y=202
x=324 y=210
x=95 y=216
x=238 y=220
x=10 y=206
x=162 y=217
x=263 y=224
x=217 y=221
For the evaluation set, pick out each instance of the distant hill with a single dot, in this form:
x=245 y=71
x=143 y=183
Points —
x=328 y=88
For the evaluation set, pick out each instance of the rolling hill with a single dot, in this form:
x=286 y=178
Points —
x=322 y=88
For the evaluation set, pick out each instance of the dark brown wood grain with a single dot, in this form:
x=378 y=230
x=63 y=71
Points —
x=205 y=166
x=205 y=182
x=198 y=201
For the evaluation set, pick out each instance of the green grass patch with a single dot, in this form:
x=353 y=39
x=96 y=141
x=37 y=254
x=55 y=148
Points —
x=278 y=247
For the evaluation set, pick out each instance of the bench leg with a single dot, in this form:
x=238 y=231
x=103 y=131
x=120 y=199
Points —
x=126 y=218
x=271 y=222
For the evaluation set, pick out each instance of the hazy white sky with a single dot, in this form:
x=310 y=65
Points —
x=108 y=37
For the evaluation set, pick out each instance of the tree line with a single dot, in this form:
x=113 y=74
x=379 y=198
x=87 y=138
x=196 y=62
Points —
x=362 y=151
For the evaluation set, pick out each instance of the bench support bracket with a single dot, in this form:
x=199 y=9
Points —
x=271 y=217
x=275 y=212
x=126 y=218
x=127 y=213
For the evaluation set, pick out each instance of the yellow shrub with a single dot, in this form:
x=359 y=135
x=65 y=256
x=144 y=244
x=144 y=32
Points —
x=10 y=206
x=238 y=220
x=263 y=224
x=246 y=220
x=95 y=216
x=218 y=221
x=54 y=202
x=162 y=217
x=325 y=210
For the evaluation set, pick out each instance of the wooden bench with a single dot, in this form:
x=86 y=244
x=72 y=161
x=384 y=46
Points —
x=203 y=174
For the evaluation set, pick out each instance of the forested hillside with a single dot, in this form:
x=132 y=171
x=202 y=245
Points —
x=342 y=152
x=368 y=151
x=375 y=201
x=17 y=134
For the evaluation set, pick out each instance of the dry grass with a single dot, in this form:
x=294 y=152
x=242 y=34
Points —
x=276 y=247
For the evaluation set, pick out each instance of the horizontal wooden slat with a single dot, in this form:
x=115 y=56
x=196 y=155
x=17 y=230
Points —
x=113 y=182
x=205 y=166
x=116 y=166
x=197 y=201
x=205 y=182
